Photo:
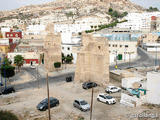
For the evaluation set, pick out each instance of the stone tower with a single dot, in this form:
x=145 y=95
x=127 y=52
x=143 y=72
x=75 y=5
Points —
x=52 y=46
x=93 y=60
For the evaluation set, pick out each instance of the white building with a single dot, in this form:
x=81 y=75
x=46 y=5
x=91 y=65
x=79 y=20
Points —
x=138 y=21
x=4 y=30
x=153 y=85
x=122 y=47
x=35 y=29
x=70 y=45
x=151 y=47
x=71 y=28
x=4 y=41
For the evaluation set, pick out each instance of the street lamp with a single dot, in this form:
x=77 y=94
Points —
x=116 y=59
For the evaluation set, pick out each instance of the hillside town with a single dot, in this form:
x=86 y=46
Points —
x=80 y=60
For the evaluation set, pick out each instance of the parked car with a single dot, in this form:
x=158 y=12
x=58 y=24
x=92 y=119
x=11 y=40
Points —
x=102 y=97
x=88 y=85
x=43 y=105
x=8 y=90
x=69 y=79
x=112 y=89
x=81 y=104
x=33 y=66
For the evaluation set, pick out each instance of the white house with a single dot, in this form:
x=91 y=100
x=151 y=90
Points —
x=153 y=83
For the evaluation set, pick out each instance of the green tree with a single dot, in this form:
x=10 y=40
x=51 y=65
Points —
x=7 y=70
x=18 y=60
x=6 y=115
x=68 y=59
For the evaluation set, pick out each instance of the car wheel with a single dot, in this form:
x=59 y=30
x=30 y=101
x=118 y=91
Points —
x=81 y=109
x=98 y=99
x=107 y=102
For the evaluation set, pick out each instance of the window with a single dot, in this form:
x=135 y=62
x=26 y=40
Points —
x=126 y=46
x=115 y=45
x=68 y=48
x=99 y=47
x=112 y=45
x=120 y=46
x=63 y=48
x=109 y=45
x=16 y=35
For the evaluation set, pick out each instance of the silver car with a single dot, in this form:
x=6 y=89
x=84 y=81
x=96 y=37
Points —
x=81 y=104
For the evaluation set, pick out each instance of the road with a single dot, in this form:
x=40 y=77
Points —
x=144 y=60
x=41 y=81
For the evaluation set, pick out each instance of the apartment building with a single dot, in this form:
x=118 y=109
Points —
x=122 y=47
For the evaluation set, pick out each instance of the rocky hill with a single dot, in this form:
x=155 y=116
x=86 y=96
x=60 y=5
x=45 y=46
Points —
x=69 y=8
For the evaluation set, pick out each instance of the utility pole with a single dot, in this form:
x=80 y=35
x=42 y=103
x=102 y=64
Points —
x=91 y=104
x=49 y=115
x=37 y=76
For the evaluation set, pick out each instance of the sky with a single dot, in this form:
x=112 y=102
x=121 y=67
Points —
x=13 y=4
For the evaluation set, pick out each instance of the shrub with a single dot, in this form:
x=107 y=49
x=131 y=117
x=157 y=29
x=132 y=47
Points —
x=6 y=115
x=57 y=64
x=68 y=59
x=110 y=10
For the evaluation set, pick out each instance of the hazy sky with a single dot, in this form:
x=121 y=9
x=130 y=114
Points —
x=12 y=4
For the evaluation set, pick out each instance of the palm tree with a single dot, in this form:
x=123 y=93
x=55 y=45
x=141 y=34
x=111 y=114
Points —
x=18 y=60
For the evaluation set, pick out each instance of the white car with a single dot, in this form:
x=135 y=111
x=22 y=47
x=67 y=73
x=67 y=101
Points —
x=112 y=89
x=102 y=97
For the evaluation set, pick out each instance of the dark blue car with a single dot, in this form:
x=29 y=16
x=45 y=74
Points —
x=43 y=105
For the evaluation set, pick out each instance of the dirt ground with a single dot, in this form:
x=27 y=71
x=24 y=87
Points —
x=23 y=103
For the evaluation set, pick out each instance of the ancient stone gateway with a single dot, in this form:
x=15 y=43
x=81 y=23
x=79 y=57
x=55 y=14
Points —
x=52 y=48
x=93 y=60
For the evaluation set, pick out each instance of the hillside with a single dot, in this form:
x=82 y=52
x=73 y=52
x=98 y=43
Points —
x=61 y=8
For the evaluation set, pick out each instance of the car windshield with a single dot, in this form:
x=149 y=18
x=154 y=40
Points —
x=43 y=101
x=109 y=97
x=83 y=102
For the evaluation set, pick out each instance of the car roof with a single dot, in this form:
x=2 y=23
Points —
x=110 y=86
x=80 y=100
x=51 y=98
x=88 y=82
